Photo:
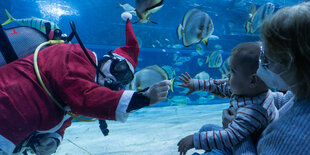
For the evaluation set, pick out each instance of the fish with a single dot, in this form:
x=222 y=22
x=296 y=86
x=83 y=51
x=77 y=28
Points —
x=128 y=8
x=256 y=17
x=177 y=46
x=33 y=22
x=207 y=59
x=204 y=100
x=202 y=75
x=170 y=71
x=215 y=59
x=144 y=8
x=181 y=60
x=218 y=46
x=225 y=69
x=148 y=76
x=179 y=100
x=200 y=50
x=159 y=43
x=197 y=26
x=200 y=61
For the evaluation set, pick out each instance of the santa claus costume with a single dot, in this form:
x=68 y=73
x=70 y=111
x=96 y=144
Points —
x=26 y=108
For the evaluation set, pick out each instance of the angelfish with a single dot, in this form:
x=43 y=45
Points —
x=144 y=8
x=148 y=76
x=256 y=17
x=33 y=22
x=197 y=26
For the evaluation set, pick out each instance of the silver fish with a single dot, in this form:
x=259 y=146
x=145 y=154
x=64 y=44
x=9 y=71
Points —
x=148 y=76
x=202 y=75
x=215 y=59
x=256 y=17
x=225 y=69
x=179 y=100
x=128 y=8
x=144 y=8
x=197 y=26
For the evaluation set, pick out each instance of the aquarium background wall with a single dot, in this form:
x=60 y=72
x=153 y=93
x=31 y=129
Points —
x=156 y=129
x=101 y=28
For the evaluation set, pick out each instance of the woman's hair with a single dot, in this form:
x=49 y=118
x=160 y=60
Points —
x=286 y=37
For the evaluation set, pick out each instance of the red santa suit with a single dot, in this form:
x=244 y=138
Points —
x=66 y=71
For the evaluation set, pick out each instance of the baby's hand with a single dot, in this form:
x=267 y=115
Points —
x=188 y=83
x=186 y=144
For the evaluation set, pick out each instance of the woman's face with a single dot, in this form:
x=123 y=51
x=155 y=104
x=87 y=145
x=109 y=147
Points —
x=269 y=63
x=282 y=77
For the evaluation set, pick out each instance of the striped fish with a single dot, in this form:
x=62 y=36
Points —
x=196 y=26
x=144 y=8
x=256 y=17
x=33 y=22
x=148 y=76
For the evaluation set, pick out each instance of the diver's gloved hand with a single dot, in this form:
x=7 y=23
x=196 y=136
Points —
x=158 y=92
x=46 y=145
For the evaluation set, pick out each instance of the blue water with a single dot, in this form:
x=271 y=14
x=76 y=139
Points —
x=154 y=130
x=101 y=29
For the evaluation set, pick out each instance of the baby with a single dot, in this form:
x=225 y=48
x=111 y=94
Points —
x=255 y=105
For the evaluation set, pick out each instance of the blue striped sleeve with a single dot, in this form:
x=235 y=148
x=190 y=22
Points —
x=213 y=87
x=249 y=119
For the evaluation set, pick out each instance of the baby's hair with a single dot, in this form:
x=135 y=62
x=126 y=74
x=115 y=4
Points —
x=246 y=57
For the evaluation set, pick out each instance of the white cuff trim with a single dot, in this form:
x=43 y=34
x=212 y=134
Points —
x=121 y=114
x=6 y=145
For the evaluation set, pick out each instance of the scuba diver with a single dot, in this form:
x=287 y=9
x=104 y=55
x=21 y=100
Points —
x=79 y=84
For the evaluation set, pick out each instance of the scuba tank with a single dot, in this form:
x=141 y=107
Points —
x=19 y=42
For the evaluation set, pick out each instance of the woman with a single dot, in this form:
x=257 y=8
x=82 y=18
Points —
x=285 y=64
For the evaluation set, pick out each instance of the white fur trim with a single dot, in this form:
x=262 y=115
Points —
x=6 y=145
x=95 y=57
x=96 y=63
x=126 y=15
x=121 y=114
x=57 y=127
x=122 y=58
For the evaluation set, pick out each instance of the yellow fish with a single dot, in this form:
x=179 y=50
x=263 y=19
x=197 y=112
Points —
x=33 y=22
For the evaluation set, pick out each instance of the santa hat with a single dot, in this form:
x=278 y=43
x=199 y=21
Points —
x=130 y=52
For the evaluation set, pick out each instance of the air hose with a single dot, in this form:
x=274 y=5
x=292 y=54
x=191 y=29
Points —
x=36 y=68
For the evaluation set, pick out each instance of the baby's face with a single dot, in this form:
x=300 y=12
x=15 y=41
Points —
x=239 y=82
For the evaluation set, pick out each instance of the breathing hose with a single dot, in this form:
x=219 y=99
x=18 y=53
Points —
x=36 y=69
